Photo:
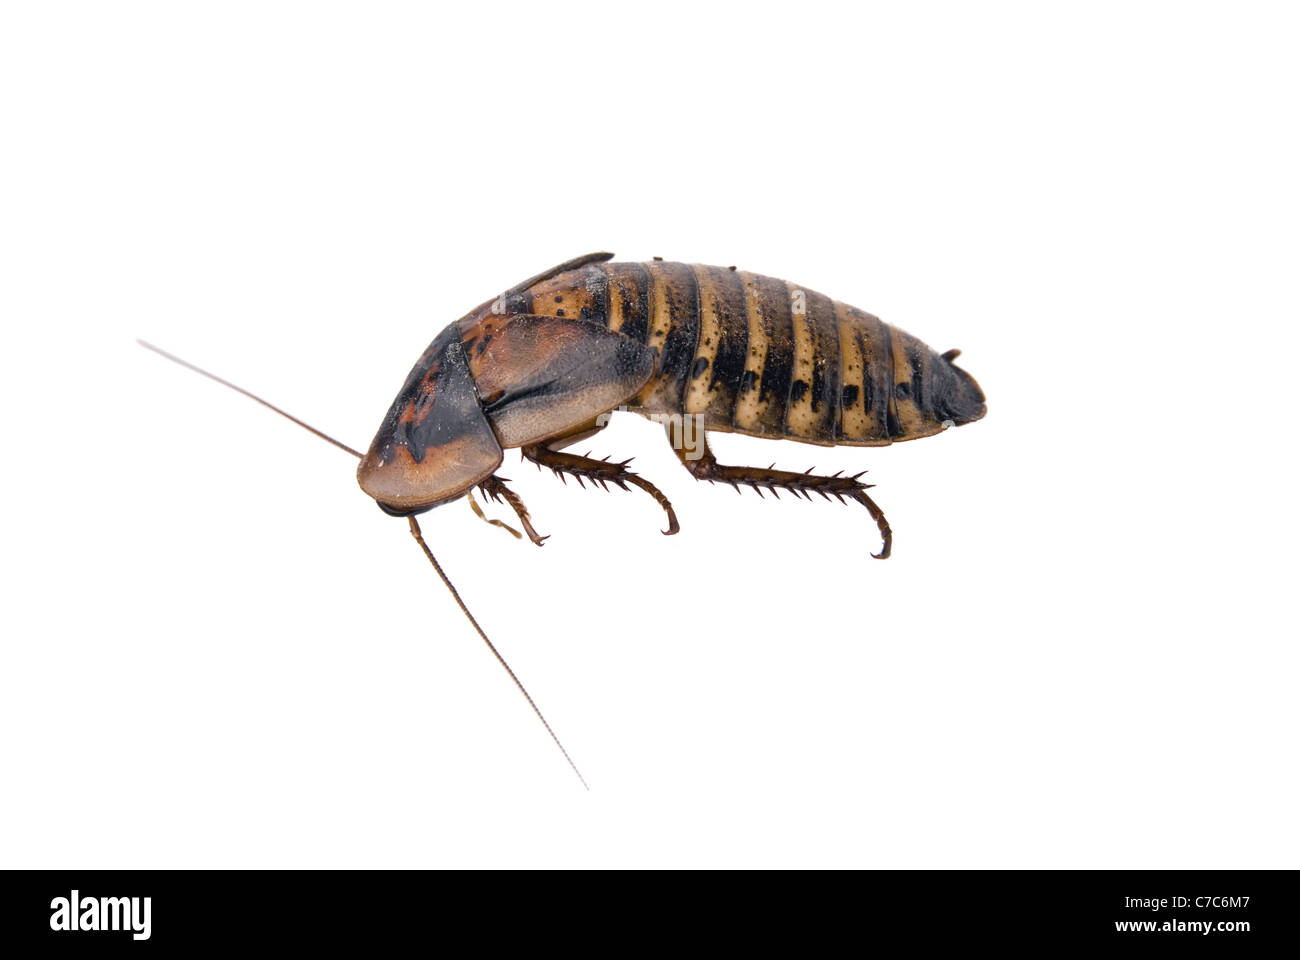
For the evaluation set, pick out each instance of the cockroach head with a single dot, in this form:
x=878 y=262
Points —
x=435 y=443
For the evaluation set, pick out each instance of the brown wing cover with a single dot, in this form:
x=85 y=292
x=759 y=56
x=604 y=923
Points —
x=541 y=376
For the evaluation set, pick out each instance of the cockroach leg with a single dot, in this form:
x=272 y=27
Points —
x=602 y=472
x=478 y=512
x=495 y=488
x=706 y=467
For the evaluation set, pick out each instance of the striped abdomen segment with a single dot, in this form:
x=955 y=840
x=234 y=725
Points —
x=764 y=357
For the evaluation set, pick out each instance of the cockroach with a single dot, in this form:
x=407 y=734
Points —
x=544 y=364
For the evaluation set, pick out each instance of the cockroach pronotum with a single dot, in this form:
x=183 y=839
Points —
x=543 y=366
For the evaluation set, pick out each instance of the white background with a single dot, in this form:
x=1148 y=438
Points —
x=218 y=652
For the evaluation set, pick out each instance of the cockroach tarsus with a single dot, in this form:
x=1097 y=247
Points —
x=542 y=366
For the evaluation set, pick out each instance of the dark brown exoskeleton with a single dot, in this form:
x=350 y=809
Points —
x=544 y=364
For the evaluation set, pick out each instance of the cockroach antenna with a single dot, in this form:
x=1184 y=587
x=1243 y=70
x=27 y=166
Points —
x=415 y=532
x=252 y=396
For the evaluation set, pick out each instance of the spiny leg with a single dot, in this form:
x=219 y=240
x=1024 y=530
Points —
x=495 y=488
x=478 y=512
x=599 y=471
x=704 y=466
